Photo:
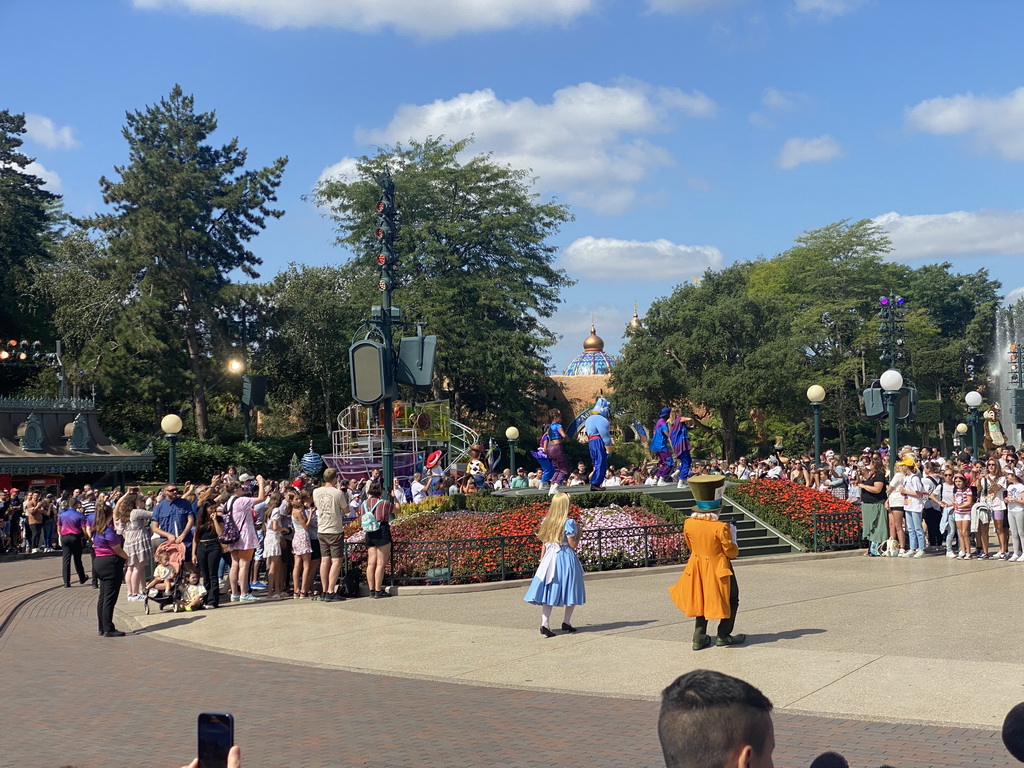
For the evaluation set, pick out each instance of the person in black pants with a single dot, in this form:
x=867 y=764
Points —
x=71 y=526
x=110 y=562
x=206 y=554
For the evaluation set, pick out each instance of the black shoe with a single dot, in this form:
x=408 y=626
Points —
x=82 y=581
x=546 y=632
x=95 y=586
x=114 y=633
x=383 y=593
x=373 y=595
x=568 y=627
x=67 y=586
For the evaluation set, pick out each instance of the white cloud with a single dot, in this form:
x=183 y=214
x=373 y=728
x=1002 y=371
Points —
x=589 y=143
x=432 y=18
x=44 y=131
x=775 y=102
x=827 y=8
x=995 y=122
x=344 y=170
x=610 y=260
x=685 y=6
x=51 y=180
x=818 y=150
x=958 y=233
x=1015 y=295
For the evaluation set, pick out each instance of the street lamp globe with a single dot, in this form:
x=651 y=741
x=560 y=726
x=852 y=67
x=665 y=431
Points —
x=511 y=433
x=236 y=366
x=961 y=428
x=815 y=393
x=973 y=399
x=891 y=380
x=171 y=424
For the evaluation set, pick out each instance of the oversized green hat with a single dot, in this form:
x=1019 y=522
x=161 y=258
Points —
x=707 y=491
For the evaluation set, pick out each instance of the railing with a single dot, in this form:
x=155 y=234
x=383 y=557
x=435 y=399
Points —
x=499 y=558
x=836 y=530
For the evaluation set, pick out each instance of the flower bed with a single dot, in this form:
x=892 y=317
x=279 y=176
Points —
x=796 y=509
x=490 y=543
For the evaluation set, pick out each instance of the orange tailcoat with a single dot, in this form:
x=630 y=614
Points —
x=703 y=589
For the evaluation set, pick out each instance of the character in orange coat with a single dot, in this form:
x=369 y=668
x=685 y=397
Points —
x=707 y=589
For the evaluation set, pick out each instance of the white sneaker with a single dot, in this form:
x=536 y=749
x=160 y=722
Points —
x=553 y=490
x=661 y=481
x=681 y=484
x=919 y=553
x=904 y=553
x=950 y=553
x=966 y=556
x=1014 y=557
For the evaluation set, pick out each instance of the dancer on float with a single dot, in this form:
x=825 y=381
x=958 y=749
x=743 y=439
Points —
x=661 y=446
x=556 y=435
x=679 y=435
x=599 y=439
x=546 y=467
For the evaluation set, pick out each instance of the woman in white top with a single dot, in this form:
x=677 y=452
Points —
x=1015 y=516
x=914 y=497
x=895 y=505
x=991 y=489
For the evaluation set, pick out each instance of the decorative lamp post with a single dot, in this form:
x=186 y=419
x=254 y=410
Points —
x=171 y=425
x=973 y=400
x=892 y=383
x=816 y=394
x=512 y=435
x=236 y=366
x=961 y=430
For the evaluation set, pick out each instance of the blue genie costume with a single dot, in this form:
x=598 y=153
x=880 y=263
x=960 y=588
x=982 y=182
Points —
x=679 y=436
x=661 y=444
x=599 y=439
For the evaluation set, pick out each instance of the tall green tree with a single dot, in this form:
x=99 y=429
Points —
x=26 y=218
x=475 y=266
x=183 y=212
x=308 y=320
x=711 y=346
x=830 y=282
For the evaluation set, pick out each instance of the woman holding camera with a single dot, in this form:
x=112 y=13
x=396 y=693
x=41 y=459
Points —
x=207 y=553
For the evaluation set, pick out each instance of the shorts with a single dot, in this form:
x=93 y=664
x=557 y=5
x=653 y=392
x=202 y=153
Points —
x=964 y=518
x=998 y=514
x=314 y=546
x=332 y=545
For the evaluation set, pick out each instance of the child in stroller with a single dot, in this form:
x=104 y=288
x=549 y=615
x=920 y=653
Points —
x=164 y=587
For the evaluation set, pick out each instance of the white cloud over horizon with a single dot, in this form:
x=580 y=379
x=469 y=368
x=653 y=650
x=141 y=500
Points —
x=43 y=130
x=798 y=151
x=775 y=102
x=954 y=234
x=606 y=259
x=995 y=123
x=51 y=179
x=430 y=18
x=589 y=144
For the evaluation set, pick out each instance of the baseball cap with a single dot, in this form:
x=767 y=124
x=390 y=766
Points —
x=244 y=478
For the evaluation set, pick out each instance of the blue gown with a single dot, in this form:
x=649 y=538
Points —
x=559 y=577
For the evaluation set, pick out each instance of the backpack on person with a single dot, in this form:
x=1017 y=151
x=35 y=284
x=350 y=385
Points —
x=370 y=522
x=231 y=533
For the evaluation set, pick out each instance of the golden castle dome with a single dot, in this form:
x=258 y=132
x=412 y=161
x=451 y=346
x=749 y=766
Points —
x=593 y=342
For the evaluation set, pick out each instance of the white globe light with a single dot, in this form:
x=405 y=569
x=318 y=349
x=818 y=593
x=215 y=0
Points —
x=236 y=366
x=973 y=399
x=961 y=428
x=512 y=433
x=171 y=424
x=891 y=380
x=815 y=393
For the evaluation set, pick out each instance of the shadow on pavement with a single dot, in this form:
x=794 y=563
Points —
x=789 y=634
x=175 y=622
x=615 y=625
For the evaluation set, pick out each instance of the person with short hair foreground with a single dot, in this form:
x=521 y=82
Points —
x=712 y=720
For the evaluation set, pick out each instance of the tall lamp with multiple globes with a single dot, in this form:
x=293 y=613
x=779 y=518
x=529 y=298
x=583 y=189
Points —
x=892 y=383
x=512 y=435
x=961 y=430
x=816 y=394
x=171 y=425
x=973 y=400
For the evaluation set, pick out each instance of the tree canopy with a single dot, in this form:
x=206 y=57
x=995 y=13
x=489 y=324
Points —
x=475 y=266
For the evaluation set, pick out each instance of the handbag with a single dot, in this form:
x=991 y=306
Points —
x=889 y=548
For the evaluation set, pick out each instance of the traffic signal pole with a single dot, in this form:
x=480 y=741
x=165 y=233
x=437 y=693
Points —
x=386 y=230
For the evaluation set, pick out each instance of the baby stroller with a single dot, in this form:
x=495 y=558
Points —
x=176 y=557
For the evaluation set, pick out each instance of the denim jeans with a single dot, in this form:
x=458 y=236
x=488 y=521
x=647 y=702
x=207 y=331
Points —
x=915 y=532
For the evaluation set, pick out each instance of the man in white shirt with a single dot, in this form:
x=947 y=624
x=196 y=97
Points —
x=331 y=505
x=419 y=490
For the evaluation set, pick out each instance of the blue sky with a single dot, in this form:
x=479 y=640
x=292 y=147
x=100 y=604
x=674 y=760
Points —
x=682 y=133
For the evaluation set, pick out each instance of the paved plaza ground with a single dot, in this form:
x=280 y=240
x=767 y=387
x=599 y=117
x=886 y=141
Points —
x=910 y=662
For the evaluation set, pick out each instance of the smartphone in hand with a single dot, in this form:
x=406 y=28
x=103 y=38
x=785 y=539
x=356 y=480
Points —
x=216 y=737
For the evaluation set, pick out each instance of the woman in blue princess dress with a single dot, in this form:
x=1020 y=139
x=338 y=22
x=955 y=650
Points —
x=559 y=577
